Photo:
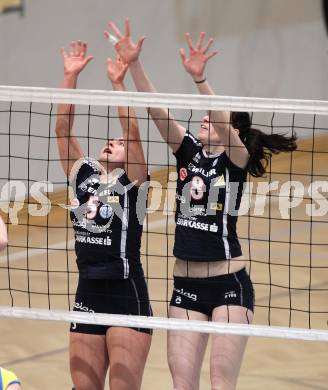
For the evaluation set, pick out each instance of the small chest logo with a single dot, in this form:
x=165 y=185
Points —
x=220 y=182
x=196 y=158
x=183 y=174
x=106 y=211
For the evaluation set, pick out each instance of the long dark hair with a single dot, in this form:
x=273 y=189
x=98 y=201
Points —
x=260 y=145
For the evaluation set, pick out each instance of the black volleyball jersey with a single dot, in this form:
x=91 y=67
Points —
x=209 y=191
x=107 y=228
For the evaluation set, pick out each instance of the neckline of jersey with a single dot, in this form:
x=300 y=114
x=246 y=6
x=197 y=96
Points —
x=216 y=155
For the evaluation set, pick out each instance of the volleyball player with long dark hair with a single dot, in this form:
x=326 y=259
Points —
x=107 y=243
x=210 y=280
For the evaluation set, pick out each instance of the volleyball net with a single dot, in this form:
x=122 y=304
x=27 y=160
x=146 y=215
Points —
x=282 y=219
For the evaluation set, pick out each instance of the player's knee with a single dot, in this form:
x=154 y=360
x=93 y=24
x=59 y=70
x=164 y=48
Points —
x=182 y=377
x=84 y=385
x=224 y=376
x=225 y=380
x=184 y=385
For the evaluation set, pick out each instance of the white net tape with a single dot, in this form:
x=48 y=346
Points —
x=169 y=101
x=165 y=323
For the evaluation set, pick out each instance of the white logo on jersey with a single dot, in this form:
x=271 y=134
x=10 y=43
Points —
x=186 y=294
x=181 y=198
x=230 y=294
x=213 y=228
x=107 y=241
x=197 y=210
x=80 y=307
x=193 y=224
x=202 y=171
x=196 y=158
x=93 y=180
x=178 y=300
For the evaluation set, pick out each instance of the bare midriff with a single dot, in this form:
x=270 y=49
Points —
x=205 y=269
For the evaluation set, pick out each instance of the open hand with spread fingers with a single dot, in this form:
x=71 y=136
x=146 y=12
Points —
x=116 y=70
x=127 y=50
x=77 y=59
x=196 y=62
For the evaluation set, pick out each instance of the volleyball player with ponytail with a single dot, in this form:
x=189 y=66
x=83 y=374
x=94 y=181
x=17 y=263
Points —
x=210 y=279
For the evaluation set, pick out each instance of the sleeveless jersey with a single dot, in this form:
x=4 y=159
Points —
x=209 y=191
x=106 y=224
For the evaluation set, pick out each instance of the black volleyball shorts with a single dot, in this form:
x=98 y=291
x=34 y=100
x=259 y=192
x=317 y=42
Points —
x=125 y=296
x=205 y=294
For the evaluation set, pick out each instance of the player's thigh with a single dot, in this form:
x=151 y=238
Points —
x=184 y=343
x=186 y=350
x=227 y=350
x=128 y=350
x=88 y=360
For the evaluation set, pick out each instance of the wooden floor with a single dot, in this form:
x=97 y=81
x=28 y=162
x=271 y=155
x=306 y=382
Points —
x=294 y=263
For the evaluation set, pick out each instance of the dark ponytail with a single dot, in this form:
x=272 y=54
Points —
x=260 y=145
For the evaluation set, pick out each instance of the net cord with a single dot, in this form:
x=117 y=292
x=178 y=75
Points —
x=165 y=323
x=167 y=101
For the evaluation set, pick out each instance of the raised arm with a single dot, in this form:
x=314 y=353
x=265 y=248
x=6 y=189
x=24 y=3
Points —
x=68 y=145
x=129 y=52
x=135 y=165
x=195 y=65
x=3 y=234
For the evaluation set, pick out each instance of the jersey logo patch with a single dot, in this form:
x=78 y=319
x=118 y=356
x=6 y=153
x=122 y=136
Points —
x=106 y=211
x=196 y=158
x=216 y=206
x=220 y=182
x=113 y=199
x=183 y=174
